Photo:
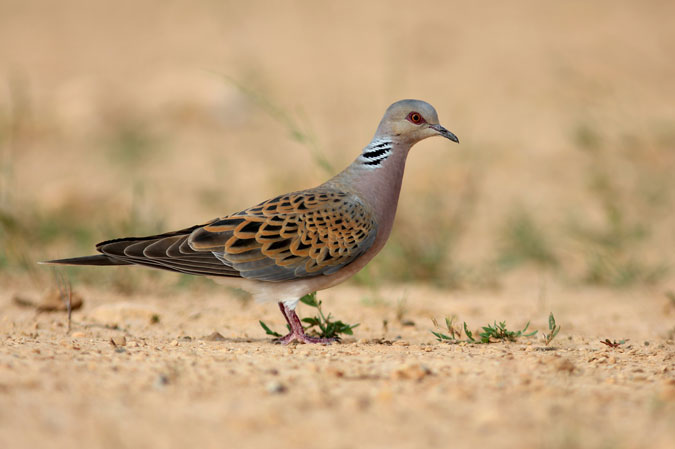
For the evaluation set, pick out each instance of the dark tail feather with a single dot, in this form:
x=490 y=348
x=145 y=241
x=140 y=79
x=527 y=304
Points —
x=99 y=259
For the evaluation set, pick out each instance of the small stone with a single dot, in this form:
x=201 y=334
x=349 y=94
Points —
x=118 y=340
x=174 y=343
x=566 y=365
x=275 y=387
x=162 y=381
x=413 y=371
x=78 y=335
x=214 y=336
x=335 y=372
x=132 y=344
x=401 y=343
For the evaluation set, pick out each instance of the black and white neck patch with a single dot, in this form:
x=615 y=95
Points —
x=375 y=153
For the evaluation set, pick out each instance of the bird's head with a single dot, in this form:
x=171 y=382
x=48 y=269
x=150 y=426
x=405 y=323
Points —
x=410 y=121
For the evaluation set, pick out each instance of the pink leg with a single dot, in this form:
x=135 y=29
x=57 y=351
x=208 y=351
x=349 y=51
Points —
x=297 y=332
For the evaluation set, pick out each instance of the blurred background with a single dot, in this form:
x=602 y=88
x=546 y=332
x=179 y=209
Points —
x=133 y=117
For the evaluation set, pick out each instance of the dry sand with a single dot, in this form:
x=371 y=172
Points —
x=167 y=386
x=117 y=114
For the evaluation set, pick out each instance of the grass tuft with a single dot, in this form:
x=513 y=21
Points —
x=553 y=329
x=321 y=325
x=490 y=334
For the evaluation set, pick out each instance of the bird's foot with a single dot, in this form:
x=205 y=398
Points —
x=304 y=338
x=297 y=331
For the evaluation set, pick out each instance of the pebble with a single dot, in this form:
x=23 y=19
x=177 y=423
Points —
x=174 y=343
x=413 y=371
x=119 y=340
x=78 y=335
x=161 y=381
x=214 y=336
x=566 y=365
x=335 y=372
x=275 y=387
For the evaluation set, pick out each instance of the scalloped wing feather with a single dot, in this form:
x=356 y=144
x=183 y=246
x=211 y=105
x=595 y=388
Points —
x=297 y=235
x=168 y=251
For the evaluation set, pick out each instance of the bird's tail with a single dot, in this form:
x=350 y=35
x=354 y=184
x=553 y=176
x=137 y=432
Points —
x=99 y=259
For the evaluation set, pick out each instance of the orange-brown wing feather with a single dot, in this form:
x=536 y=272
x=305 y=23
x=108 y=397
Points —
x=293 y=236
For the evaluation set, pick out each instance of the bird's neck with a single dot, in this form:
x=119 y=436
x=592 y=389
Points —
x=376 y=177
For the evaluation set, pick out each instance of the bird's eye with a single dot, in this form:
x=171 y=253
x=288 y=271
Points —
x=416 y=118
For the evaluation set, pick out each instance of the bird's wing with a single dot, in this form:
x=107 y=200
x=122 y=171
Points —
x=297 y=235
x=168 y=251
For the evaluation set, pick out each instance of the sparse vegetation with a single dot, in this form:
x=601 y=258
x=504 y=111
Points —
x=499 y=332
x=553 y=330
x=491 y=333
x=269 y=331
x=454 y=332
x=613 y=247
x=321 y=325
x=612 y=343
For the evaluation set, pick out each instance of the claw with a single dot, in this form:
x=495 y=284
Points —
x=297 y=331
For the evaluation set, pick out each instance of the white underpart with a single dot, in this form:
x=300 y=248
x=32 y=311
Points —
x=287 y=292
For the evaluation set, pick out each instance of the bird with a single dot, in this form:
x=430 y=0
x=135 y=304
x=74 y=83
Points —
x=300 y=242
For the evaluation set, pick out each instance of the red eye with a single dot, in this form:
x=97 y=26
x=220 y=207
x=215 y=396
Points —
x=416 y=118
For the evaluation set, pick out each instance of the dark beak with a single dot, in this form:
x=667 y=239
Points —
x=444 y=132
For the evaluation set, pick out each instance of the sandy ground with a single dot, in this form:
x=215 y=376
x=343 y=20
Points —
x=119 y=118
x=168 y=386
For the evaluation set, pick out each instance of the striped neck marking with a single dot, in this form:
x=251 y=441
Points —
x=375 y=153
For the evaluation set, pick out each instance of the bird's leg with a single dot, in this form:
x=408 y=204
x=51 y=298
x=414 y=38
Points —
x=297 y=331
